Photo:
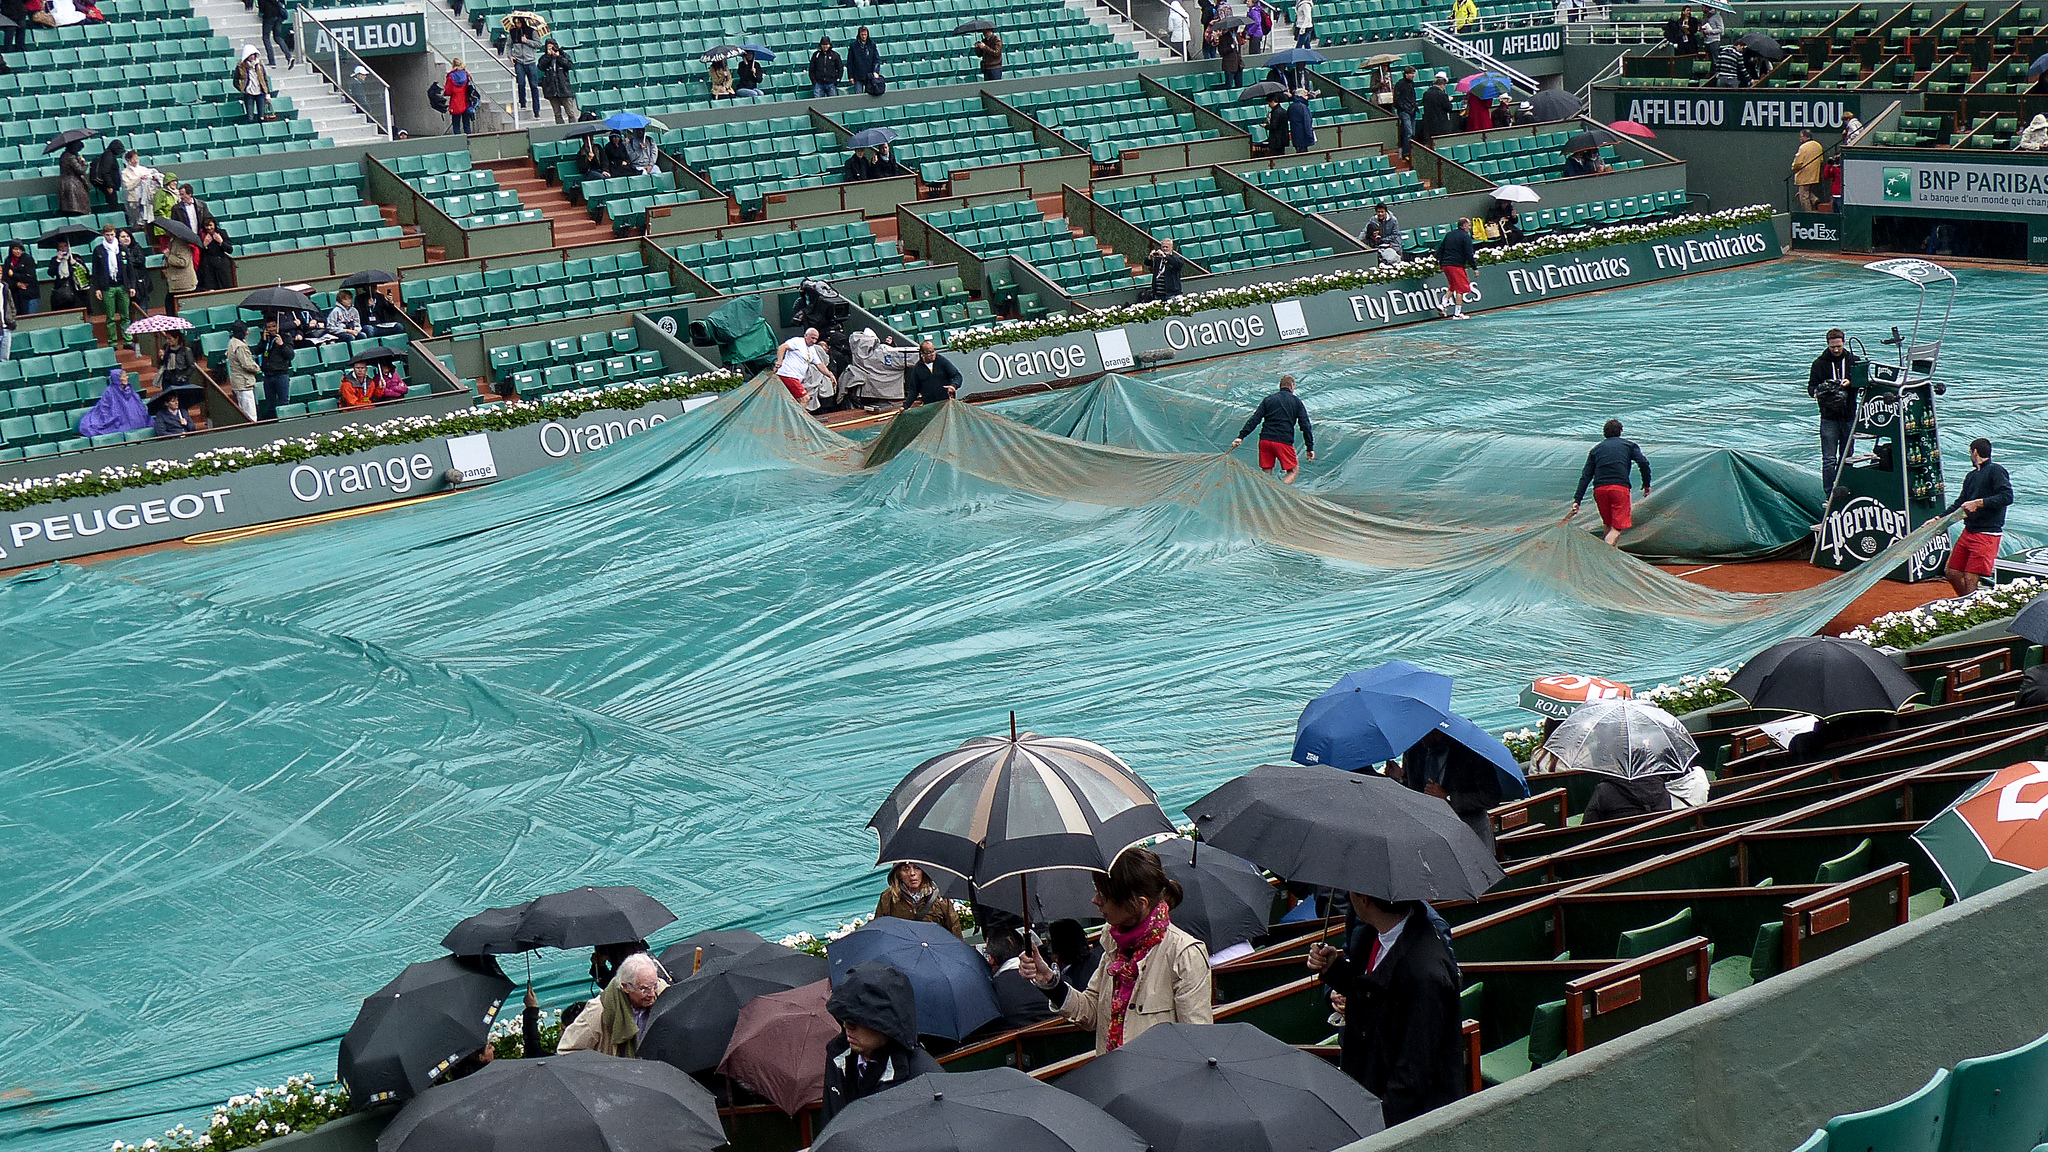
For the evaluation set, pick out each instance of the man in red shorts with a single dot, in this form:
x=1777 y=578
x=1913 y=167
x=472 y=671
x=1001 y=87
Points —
x=1606 y=470
x=795 y=359
x=1456 y=255
x=1987 y=491
x=1280 y=412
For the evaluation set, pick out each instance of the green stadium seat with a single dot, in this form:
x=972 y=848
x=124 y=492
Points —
x=1914 y=1124
x=1643 y=941
x=1847 y=866
x=1543 y=1044
x=1999 y=1101
x=1734 y=973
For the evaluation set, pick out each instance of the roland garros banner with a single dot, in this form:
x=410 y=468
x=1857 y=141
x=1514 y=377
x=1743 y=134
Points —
x=266 y=493
x=1346 y=311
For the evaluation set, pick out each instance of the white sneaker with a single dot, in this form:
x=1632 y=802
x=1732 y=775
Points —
x=1460 y=315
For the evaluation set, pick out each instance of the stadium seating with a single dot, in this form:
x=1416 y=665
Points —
x=1363 y=21
x=1524 y=159
x=1357 y=182
x=53 y=377
x=469 y=196
x=1017 y=228
x=1601 y=213
x=940 y=137
x=778 y=259
x=531 y=293
x=750 y=159
x=1107 y=119
x=929 y=310
x=1208 y=90
x=643 y=57
x=593 y=360
x=296 y=208
x=625 y=199
x=1211 y=229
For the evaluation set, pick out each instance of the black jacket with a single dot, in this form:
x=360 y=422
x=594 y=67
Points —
x=1383 y=233
x=863 y=60
x=879 y=997
x=1615 y=799
x=1991 y=484
x=1608 y=463
x=274 y=356
x=1165 y=268
x=928 y=382
x=1281 y=412
x=1828 y=382
x=1404 y=96
x=1456 y=250
x=1276 y=127
x=125 y=273
x=1023 y=1005
x=1436 y=114
x=746 y=74
x=1401 y=1035
x=554 y=75
x=826 y=66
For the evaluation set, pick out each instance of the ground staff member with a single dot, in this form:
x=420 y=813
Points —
x=1987 y=492
x=1279 y=413
x=1606 y=470
x=1828 y=383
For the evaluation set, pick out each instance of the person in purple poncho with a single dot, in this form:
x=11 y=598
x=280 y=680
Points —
x=119 y=409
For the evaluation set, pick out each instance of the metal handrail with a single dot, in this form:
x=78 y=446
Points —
x=1607 y=72
x=1451 y=42
x=369 y=103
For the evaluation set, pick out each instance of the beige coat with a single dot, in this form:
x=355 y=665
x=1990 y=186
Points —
x=243 y=371
x=179 y=274
x=1173 y=987
x=938 y=910
x=585 y=1032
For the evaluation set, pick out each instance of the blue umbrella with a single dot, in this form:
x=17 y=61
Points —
x=2040 y=66
x=1296 y=56
x=1371 y=716
x=870 y=138
x=759 y=52
x=1488 y=87
x=1513 y=785
x=950 y=979
x=626 y=121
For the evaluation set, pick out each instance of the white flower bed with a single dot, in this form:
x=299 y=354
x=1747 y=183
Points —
x=1896 y=630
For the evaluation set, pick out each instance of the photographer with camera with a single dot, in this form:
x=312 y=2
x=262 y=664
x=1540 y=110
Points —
x=1828 y=383
x=1165 y=264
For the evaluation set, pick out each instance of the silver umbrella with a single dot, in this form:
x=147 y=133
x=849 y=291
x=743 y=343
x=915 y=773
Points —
x=1629 y=739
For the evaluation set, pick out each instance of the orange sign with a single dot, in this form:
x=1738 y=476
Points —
x=1581 y=689
x=2010 y=815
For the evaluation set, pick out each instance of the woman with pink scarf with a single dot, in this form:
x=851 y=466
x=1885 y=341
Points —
x=1151 y=971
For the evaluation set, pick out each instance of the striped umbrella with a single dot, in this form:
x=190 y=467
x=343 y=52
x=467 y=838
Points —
x=998 y=807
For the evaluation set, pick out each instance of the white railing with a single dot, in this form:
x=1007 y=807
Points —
x=369 y=92
x=1610 y=71
x=1457 y=46
x=1605 y=31
x=488 y=75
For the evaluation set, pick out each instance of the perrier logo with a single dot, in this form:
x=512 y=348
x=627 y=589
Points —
x=1898 y=183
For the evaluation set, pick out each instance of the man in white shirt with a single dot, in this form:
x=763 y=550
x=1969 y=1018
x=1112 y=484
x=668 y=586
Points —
x=797 y=357
x=1304 y=23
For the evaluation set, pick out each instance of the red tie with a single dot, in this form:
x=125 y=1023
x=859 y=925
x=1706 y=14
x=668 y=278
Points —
x=1372 y=954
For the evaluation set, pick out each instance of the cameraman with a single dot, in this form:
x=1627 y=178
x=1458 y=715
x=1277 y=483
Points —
x=1165 y=264
x=1829 y=384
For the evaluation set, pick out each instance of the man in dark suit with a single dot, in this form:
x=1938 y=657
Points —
x=1023 y=1005
x=932 y=379
x=1401 y=1020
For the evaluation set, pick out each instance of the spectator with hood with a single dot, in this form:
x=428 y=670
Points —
x=461 y=99
x=864 y=63
x=119 y=409
x=1301 y=121
x=106 y=173
x=877 y=1047
x=74 y=195
x=555 y=83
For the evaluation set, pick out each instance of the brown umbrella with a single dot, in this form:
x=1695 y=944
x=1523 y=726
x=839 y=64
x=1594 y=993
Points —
x=778 y=1048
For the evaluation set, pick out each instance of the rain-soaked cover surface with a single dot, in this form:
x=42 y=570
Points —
x=246 y=784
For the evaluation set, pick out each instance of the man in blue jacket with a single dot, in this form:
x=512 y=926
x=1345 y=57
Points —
x=1987 y=492
x=1301 y=122
x=1278 y=414
x=1606 y=470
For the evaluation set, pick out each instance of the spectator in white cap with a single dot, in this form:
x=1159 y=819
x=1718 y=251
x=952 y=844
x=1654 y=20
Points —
x=1437 y=117
x=355 y=88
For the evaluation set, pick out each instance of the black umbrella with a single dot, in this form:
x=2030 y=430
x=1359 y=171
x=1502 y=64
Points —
x=278 y=297
x=174 y=229
x=680 y=959
x=1763 y=45
x=1261 y=90
x=1056 y=895
x=75 y=233
x=1232 y=23
x=692 y=1023
x=382 y=356
x=556 y=1103
x=1224 y=900
x=1825 y=676
x=994 y=1110
x=1348 y=830
x=369 y=278
x=1200 y=1087
x=1583 y=142
x=66 y=138
x=413 y=1029
x=587 y=917
x=588 y=128
x=1553 y=104
x=722 y=52
x=2032 y=621
x=975 y=26
x=869 y=138
x=997 y=807
x=491 y=930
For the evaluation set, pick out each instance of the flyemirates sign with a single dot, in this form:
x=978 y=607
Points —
x=1226 y=331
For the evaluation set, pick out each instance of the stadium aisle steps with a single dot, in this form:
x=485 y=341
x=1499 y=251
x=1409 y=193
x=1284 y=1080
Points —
x=573 y=224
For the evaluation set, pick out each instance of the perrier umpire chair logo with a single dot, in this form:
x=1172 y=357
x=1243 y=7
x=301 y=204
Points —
x=1859 y=529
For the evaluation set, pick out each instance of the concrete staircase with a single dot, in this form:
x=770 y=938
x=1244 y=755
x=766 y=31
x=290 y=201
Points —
x=572 y=222
x=312 y=96
x=1150 y=50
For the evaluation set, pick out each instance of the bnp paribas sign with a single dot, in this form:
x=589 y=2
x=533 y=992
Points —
x=1902 y=182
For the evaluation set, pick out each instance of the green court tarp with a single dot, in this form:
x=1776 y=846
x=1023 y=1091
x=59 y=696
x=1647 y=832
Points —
x=245 y=784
